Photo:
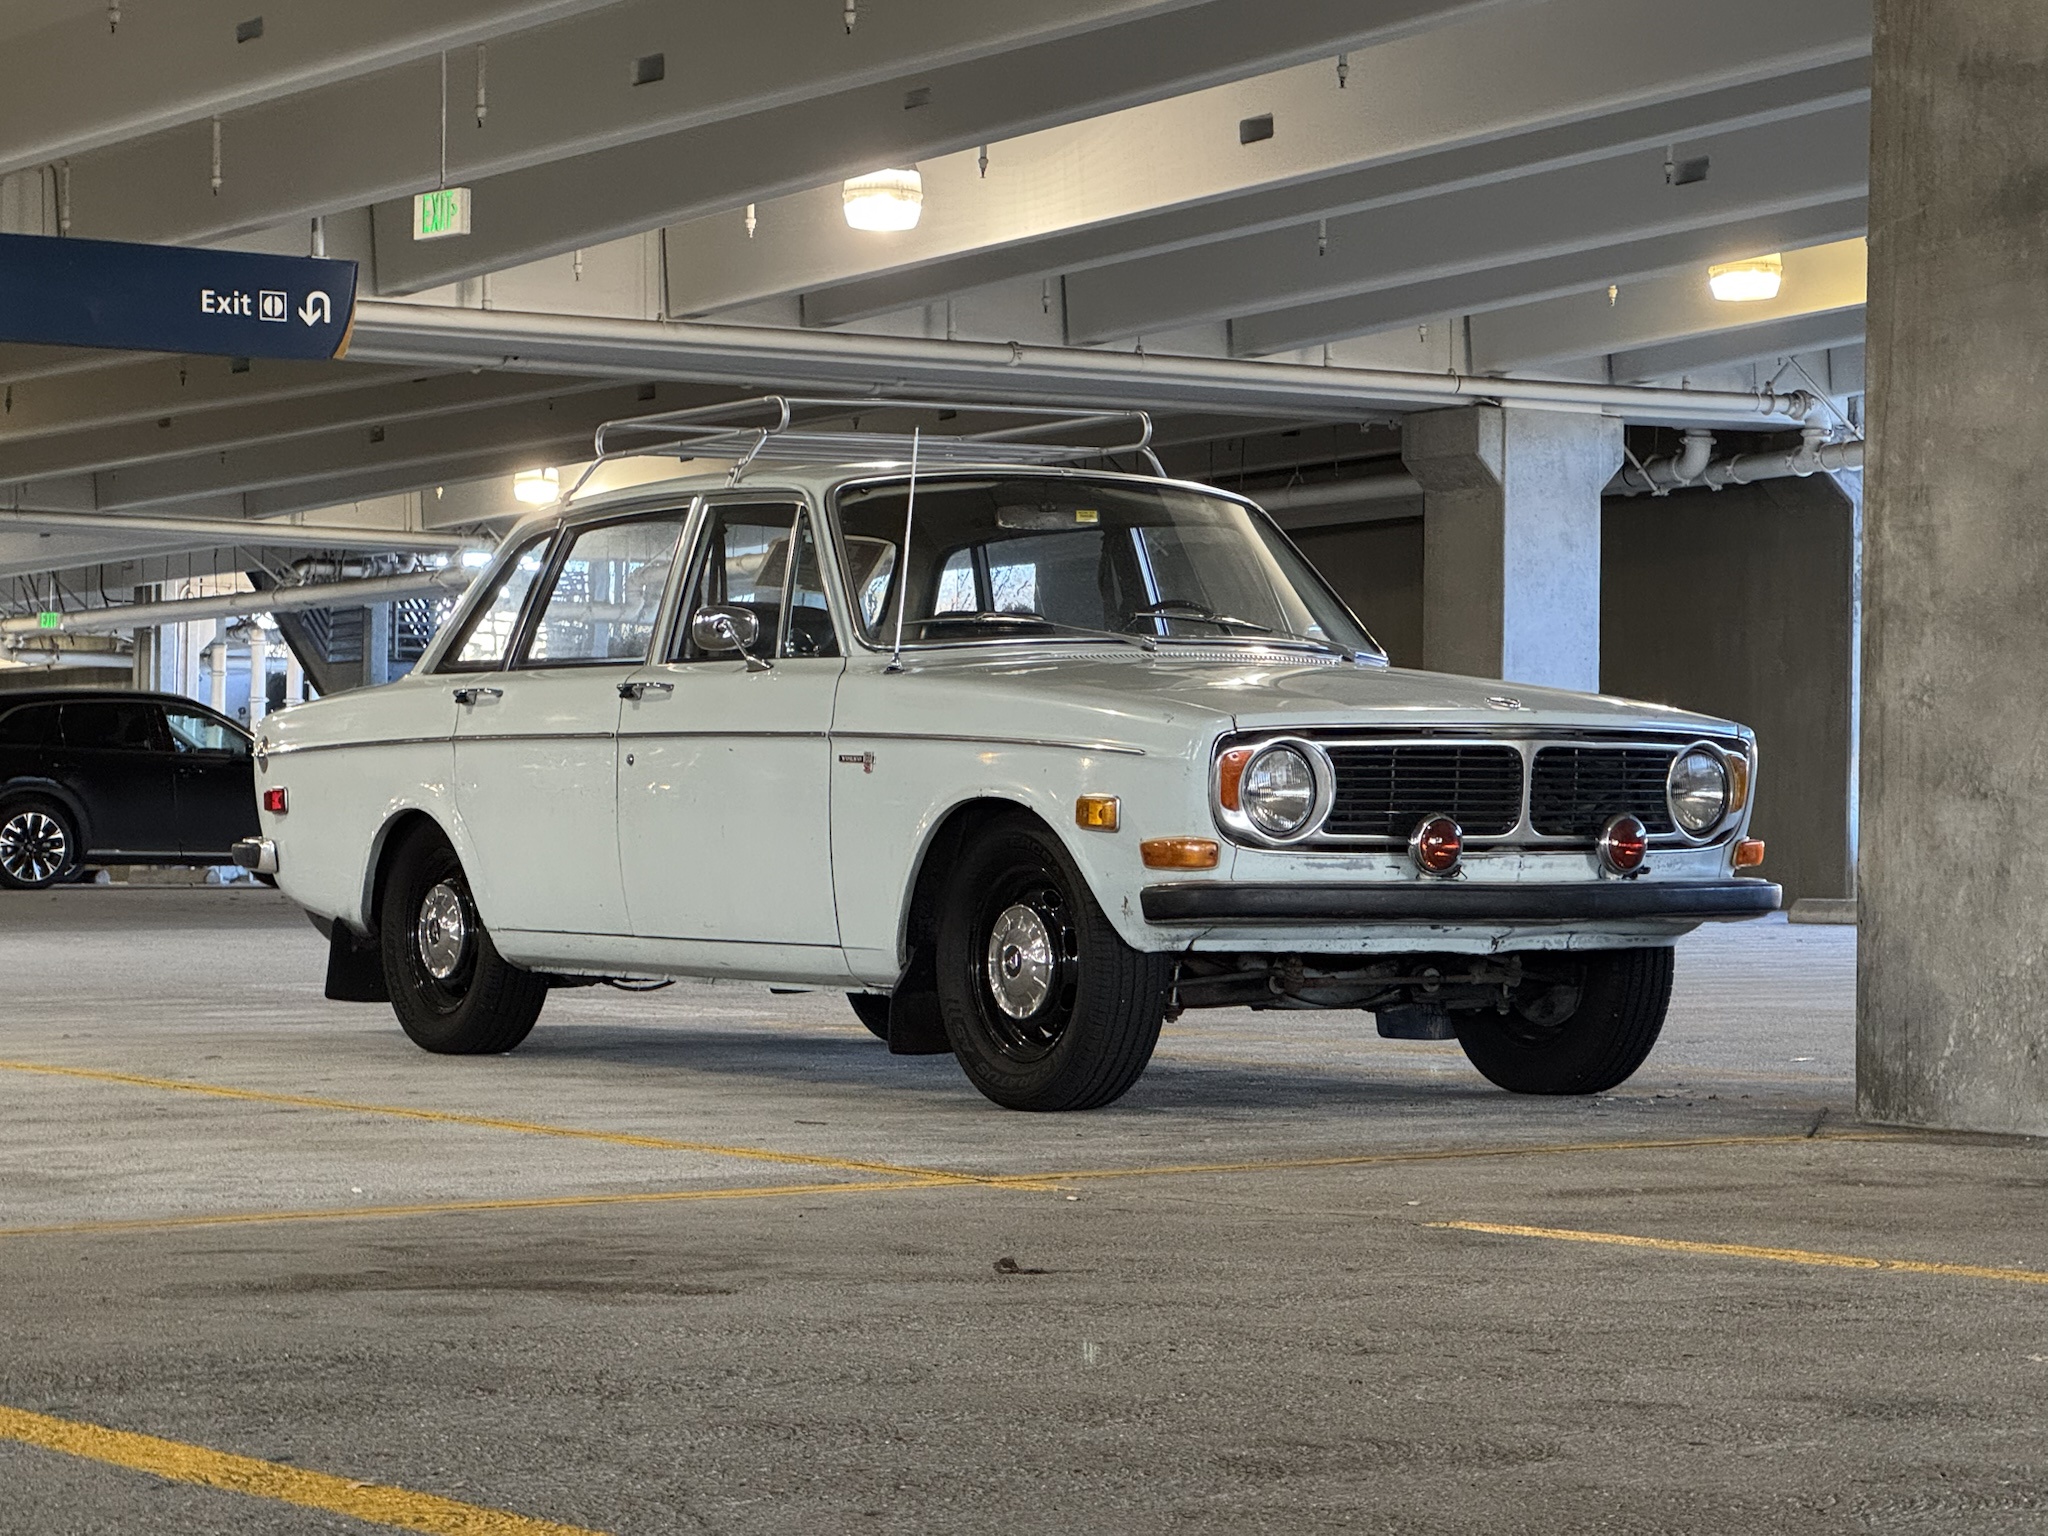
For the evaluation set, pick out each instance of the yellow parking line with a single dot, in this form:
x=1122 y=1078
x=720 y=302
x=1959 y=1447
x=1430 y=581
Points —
x=489 y=1122
x=1442 y=1155
x=463 y=1207
x=1745 y=1251
x=378 y=1503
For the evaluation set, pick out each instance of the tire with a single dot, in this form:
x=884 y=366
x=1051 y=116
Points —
x=38 y=844
x=1080 y=1023
x=1597 y=1046
x=479 y=1004
x=872 y=1009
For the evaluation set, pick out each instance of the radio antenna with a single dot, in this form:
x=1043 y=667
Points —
x=903 y=565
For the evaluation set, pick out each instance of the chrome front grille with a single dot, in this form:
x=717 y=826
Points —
x=1383 y=791
x=1575 y=791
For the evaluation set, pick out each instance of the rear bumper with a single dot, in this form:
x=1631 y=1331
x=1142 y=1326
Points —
x=256 y=853
x=1416 y=901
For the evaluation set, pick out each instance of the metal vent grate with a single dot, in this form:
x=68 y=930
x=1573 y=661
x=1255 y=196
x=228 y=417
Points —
x=1385 y=791
x=1574 y=791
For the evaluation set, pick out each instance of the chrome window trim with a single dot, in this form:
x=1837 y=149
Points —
x=1527 y=741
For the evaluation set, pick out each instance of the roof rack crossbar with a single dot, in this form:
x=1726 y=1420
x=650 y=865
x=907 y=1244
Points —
x=802 y=429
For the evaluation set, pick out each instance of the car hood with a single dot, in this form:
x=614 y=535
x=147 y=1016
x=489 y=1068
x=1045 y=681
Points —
x=1266 y=690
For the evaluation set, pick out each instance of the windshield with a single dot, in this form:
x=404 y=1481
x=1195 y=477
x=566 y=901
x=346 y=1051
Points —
x=1008 y=557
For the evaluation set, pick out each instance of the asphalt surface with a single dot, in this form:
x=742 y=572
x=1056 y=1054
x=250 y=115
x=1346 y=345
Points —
x=710 y=1260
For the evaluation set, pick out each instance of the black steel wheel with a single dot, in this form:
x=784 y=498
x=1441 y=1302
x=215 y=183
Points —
x=454 y=994
x=872 y=1009
x=1583 y=1026
x=38 y=844
x=1045 y=1005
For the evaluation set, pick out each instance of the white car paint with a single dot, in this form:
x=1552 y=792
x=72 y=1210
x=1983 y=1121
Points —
x=771 y=824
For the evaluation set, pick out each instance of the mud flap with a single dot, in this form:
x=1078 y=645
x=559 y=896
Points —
x=915 y=1025
x=355 y=969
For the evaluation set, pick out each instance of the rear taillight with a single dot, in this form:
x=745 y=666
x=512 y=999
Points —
x=273 y=800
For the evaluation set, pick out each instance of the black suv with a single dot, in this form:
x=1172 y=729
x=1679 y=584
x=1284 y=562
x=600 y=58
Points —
x=117 y=777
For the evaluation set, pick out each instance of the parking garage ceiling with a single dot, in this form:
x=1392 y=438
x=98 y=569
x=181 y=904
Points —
x=1486 y=189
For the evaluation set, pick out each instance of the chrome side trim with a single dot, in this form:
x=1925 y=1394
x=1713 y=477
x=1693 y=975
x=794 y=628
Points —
x=992 y=741
x=287 y=748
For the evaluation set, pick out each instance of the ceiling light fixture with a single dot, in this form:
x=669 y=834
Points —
x=884 y=200
x=1746 y=282
x=537 y=487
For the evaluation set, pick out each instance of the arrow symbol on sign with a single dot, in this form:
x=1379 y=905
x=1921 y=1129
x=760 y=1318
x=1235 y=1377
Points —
x=317 y=310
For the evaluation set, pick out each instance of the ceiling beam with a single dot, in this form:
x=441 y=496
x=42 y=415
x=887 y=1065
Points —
x=1774 y=339
x=156 y=389
x=1462 y=103
x=1469 y=293
x=1754 y=171
x=841 y=131
x=1668 y=307
x=77 y=84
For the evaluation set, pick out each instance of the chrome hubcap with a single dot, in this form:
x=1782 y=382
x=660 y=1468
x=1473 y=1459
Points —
x=33 y=847
x=442 y=933
x=1021 y=962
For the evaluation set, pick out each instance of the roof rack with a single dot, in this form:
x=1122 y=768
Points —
x=804 y=430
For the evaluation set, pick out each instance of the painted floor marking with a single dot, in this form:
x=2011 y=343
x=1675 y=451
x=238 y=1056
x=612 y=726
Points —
x=1745 y=1251
x=462 y=1207
x=491 y=1123
x=378 y=1503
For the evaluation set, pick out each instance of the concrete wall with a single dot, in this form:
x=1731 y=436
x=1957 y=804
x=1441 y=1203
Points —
x=1736 y=603
x=1953 y=992
x=1739 y=603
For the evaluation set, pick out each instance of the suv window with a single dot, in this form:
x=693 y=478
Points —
x=124 y=724
x=192 y=731
x=743 y=561
x=493 y=622
x=32 y=725
x=607 y=593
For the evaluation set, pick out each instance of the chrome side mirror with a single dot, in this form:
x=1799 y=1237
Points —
x=721 y=628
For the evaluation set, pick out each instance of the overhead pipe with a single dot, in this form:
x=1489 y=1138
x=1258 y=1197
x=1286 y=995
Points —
x=1693 y=465
x=755 y=357
x=237 y=531
x=234 y=605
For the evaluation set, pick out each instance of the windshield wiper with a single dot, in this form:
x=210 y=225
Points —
x=1037 y=621
x=1201 y=613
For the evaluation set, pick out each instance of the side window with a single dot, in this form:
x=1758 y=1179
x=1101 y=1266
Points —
x=607 y=593
x=742 y=561
x=496 y=620
x=810 y=630
x=32 y=725
x=121 y=724
x=194 y=732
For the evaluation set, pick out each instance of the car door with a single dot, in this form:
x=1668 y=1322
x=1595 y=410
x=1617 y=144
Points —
x=116 y=756
x=214 y=782
x=724 y=828
x=535 y=744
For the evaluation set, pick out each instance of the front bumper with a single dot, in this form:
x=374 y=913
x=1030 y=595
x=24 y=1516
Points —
x=256 y=853
x=1439 y=902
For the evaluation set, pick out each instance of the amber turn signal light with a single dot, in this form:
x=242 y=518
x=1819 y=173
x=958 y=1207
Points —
x=1096 y=812
x=1230 y=773
x=273 y=800
x=1749 y=853
x=1179 y=853
x=1738 y=779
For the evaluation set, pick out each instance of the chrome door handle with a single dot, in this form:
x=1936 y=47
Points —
x=471 y=695
x=638 y=691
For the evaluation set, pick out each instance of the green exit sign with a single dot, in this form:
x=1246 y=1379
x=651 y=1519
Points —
x=441 y=213
x=49 y=621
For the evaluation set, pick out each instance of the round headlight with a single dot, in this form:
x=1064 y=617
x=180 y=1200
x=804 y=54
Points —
x=1278 y=791
x=1697 y=790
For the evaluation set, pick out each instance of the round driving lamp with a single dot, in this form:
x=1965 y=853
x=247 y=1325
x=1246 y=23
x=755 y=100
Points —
x=1624 y=842
x=1278 y=791
x=1696 y=789
x=1436 y=845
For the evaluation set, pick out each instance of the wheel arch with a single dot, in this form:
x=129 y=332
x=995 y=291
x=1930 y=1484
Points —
x=397 y=830
x=942 y=848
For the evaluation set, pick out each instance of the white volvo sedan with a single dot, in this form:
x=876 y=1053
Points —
x=1026 y=758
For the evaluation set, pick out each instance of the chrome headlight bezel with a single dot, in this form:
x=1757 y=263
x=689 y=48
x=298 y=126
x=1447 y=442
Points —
x=1240 y=822
x=1700 y=831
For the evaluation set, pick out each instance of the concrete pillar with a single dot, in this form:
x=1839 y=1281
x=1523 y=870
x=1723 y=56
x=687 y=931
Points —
x=294 y=678
x=1952 y=988
x=217 y=659
x=1511 y=540
x=259 y=673
x=377 y=645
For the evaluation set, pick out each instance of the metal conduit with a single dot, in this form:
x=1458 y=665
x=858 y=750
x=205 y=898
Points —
x=423 y=335
x=326 y=594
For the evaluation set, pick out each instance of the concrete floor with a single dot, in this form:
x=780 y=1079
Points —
x=1225 y=1304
